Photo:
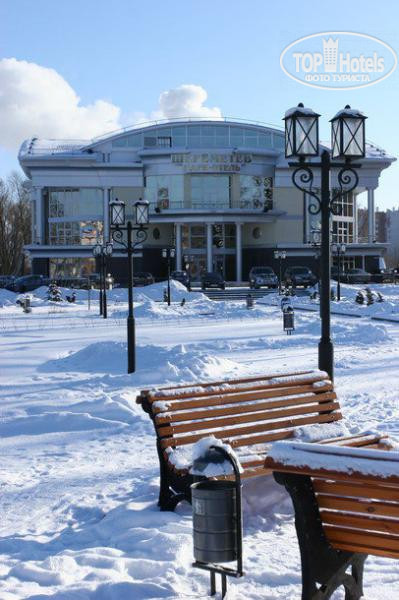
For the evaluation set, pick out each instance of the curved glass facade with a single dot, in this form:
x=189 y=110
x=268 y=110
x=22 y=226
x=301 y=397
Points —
x=203 y=136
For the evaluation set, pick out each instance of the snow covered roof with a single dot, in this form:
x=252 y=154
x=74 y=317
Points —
x=44 y=147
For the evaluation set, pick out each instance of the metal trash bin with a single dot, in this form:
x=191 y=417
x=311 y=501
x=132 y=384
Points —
x=217 y=518
x=214 y=521
x=288 y=320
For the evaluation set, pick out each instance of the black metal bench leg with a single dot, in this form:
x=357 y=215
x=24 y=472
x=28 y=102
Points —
x=168 y=499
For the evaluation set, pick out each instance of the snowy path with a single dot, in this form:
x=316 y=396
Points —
x=79 y=475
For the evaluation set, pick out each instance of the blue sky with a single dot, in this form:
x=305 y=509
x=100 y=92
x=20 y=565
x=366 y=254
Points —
x=127 y=53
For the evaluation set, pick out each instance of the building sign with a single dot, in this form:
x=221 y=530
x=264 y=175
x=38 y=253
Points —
x=230 y=162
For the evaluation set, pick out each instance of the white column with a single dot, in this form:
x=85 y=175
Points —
x=178 y=246
x=106 y=214
x=238 y=252
x=209 y=262
x=371 y=217
x=355 y=220
x=39 y=215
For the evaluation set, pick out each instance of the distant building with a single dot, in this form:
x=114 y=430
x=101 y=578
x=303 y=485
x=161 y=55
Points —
x=220 y=192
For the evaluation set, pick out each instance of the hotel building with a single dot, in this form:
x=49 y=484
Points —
x=220 y=192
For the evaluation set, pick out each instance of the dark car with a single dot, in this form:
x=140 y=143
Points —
x=212 y=280
x=384 y=276
x=299 y=276
x=28 y=283
x=334 y=273
x=262 y=276
x=143 y=278
x=356 y=276
x=6 y=280
x=181 y=276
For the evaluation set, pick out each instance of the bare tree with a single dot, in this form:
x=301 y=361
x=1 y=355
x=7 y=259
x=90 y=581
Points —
x=15 y=223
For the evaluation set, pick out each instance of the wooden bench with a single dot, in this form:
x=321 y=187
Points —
x=247 y=413
x=346 y=503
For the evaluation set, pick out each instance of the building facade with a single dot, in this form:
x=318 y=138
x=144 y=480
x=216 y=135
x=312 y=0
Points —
x=220 y=192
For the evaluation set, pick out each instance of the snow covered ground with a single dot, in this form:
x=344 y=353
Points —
x=79 y=471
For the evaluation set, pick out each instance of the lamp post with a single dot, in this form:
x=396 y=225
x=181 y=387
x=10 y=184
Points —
x=187 y=265
x=339 y=250
x=117 y=220
x=168 y=253
x=280 y=255
x=102 y=251
x=347 y=143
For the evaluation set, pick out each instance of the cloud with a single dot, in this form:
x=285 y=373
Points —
x=186 y=100
x=37 y=101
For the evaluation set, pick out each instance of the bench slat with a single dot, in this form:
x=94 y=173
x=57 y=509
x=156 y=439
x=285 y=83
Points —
x=367 y=507
x=356 y=490
x=369 y=539
x=225 y=434
x=363 y=549
x=242 y=407
x=205 y=384
x=356 y=522
x=243 y=396
x=153 y=397
x=194 y=425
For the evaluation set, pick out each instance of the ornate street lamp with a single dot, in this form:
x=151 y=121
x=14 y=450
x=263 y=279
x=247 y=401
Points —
x=348 y=142
x=339 y=250
x=168 y=253
x=102 y=252
x=280 y=255
x=117 y=221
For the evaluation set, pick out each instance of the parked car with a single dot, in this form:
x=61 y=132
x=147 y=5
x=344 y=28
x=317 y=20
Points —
x=143 y=278
x=299 y=276
x=262 y=276
x=384 y=276
x=181 y=276
x=28 y=283
x=6 y=280
x=212 y=280
x=356 y=276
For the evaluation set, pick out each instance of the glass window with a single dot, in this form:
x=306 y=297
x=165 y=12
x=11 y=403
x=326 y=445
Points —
x=210 y=191
x=75 y=233
x=265 y=140
x=278 y=142
x=164 y=191
x=197 y=236
x=83 y=202
x=256 y=192
x=236 y=136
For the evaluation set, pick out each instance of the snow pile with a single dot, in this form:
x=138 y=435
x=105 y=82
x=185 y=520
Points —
x=321 y=431
x=154 y=363
x=7 y=298
x=220 y=466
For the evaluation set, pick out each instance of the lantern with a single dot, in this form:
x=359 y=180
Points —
x=348 y=137
x=142 y=212
x=301 y=132
x=117 y=209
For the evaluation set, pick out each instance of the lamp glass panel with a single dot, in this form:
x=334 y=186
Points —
x=289 y=137
x=352 y=137
x=335 y=141
x=141 y=213
x=117 y=213
x=306 y=136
